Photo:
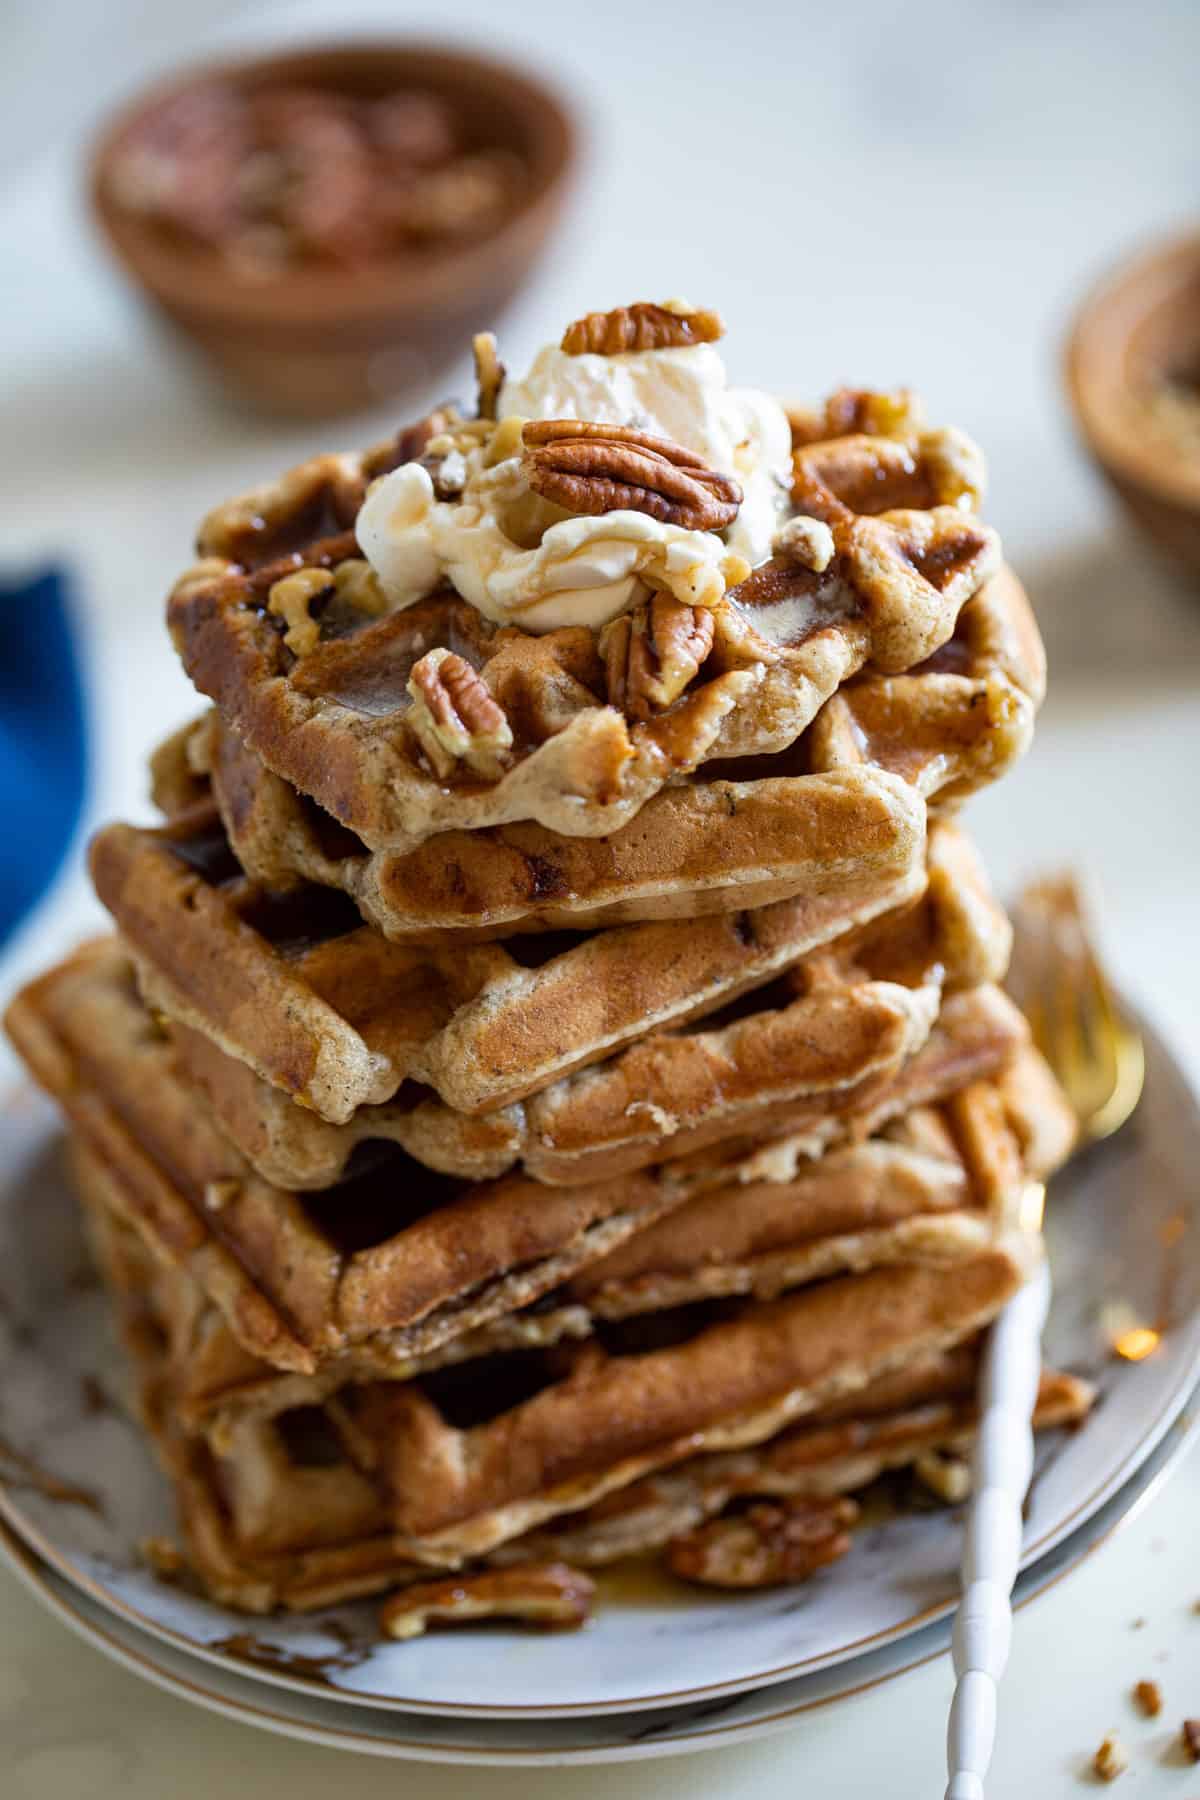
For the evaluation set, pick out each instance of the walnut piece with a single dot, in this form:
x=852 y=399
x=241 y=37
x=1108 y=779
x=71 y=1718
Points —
x=642 y=326
x=1189 y=1737
x=1147 y=1697
x=454 y=716
x=651 y=654
x=1110 y=1759
x=546 y=1594
x=489 y=373
x=590 y=468
x=769 y=1545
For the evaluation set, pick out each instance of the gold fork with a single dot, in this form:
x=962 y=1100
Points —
x=1078 y=1024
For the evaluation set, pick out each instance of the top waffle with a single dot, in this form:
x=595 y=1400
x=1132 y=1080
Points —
x=563 y=614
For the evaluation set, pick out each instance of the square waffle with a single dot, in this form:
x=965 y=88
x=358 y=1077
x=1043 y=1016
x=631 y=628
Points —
x=317 y=677
x=784 y=824
x=340 y=1023
x=395 y=1256
x=934 y=1186
x=336 y=1015
x=927 y=1408
x=301 y=1510
x=694 y=849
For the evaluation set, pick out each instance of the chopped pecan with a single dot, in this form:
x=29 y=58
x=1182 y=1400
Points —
x=547 y=1594
x=852 y=412
x=454 y=716
x=590 y=468
x=410 y=443
x=897 y=413
x=1148 y=1699
x=651 y=654
x=489 y=373
x=1110 y=1759
x=768 y=1545
x=291 y=600
x=642 y=326
x=1189 y=1738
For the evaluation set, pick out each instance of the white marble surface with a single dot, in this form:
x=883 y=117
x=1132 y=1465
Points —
x=867 y=194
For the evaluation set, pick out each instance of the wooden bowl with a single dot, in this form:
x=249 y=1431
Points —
x=312 y=342
x=1137 y=331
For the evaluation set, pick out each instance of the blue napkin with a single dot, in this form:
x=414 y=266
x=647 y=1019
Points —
x=43 y=740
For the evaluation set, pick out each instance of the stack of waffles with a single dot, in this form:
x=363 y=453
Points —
x=550 y=1097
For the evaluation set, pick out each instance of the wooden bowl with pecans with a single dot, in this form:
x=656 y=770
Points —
x=1133 y=377
x=327 y=225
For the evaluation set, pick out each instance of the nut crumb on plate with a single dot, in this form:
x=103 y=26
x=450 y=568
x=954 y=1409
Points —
x=1148 y=1698
x=1110 y=1759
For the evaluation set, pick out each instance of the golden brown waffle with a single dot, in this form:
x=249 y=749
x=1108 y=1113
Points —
x=300 y=1510
x=925 y=1408
x=936 y=1186
x=324 y=1024
x=214 y=1379
x=550 y=728
x=471 y=1463
x=290 y=1146
x=976 y=1035
x=396 y=1257
x=704 y=845
x=337 y=1016
x=695 y=849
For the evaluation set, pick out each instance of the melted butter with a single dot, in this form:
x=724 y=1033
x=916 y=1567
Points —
x=796 y=618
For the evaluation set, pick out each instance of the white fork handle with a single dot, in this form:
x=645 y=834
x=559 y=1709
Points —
x=1001 y=1470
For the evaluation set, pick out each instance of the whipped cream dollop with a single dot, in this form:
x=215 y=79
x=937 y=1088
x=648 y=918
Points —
x=520 y=560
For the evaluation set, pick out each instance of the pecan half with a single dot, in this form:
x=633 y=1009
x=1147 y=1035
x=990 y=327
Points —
x=547 y=1594
x=769 y=1545
x=651 y=654
x=642 y=326
x=590 y=468
x=454 y=717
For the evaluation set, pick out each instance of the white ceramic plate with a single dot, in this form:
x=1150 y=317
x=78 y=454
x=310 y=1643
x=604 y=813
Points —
x=306 y=1712
x=1124 y=1234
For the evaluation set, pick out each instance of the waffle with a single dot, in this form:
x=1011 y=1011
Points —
x=829 y=1027
x=337 y=1016
x=935 y=1186
x=925 y=1408
x=397 y=1257
x=977 y=1034
x=301 y=1510
x=705 y=845
x=315 y=676
x=708 y=847
x=215 y=1381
